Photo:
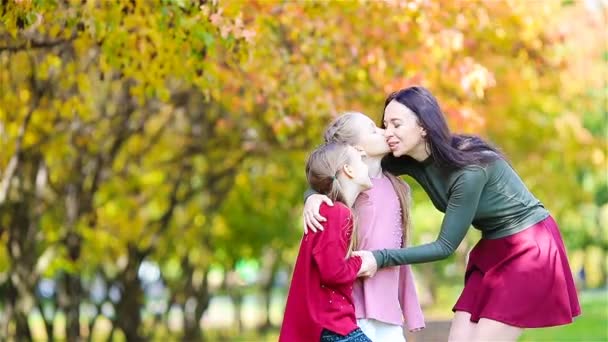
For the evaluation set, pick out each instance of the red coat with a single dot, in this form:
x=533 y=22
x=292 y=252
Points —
x=320 y=295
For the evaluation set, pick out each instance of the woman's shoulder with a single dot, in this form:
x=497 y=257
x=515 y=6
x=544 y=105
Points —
x=469 y=173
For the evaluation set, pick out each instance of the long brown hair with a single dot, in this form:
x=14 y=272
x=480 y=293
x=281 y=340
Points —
x=402 y=189
x=344 y=130
x=322 y=168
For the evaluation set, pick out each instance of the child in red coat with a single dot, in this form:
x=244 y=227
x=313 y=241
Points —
x=320 y=303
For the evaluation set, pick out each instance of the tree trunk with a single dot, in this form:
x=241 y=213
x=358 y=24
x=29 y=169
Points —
x=128 y=315
x=7 y=317
x=72 y=310
x=16 y=312
x=202 y=297
x=48 y=321
x=237 y=299
x=23 y=332
x=73 y=243
x=267 y=286
x=22 y=276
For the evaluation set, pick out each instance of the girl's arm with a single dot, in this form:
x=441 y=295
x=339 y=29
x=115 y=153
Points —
x=330 y=251
x=333 y=267
x=459 y=214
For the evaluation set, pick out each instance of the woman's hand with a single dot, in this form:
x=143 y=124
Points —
x=368 y=264
x=312 y=218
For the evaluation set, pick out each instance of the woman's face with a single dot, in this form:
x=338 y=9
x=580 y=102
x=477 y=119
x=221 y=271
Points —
x=371 y=138
x=403 y=133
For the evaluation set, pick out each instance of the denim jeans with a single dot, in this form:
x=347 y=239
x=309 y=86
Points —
x=355 y=336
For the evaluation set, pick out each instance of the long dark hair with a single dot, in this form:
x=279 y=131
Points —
x=449 y=151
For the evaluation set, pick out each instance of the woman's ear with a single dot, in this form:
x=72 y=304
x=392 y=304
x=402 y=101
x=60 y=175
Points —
x=422 y=132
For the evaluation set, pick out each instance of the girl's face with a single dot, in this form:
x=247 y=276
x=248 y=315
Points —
x=403 y=133
x=357 y=168
x=371 y=138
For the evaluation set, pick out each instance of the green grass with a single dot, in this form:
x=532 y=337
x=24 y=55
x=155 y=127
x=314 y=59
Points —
x=591 y=326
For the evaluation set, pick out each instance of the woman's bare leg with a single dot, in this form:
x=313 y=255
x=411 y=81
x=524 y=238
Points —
x=462 y=328
x=491 y=330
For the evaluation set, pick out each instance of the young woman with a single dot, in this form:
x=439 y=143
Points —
x=518 y=274
x=320 y=303
x=381 y=302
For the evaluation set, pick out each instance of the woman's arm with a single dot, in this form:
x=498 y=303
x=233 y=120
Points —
x=312 y=204
x=459 y=214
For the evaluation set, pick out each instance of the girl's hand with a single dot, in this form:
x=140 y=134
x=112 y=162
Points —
x=368 y=264
x=416 y=330
x=312 y=218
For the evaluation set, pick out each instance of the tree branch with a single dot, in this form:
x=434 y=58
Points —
x=33 y=44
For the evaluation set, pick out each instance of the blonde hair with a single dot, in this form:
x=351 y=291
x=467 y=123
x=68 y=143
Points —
x=344 y=130
x=322 y=168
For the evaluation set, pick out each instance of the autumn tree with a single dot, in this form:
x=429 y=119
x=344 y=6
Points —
x=140 y=132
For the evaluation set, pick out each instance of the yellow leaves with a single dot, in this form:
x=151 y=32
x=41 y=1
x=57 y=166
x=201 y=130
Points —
x=598 y=157
x=82 y=45
x=101 y=245
x=593 y=268
x=152 y=178
x=37 y=127
x=55 y=30
x=123 y=216
x=154 y=209
x=464 y=119
x=5 y=263
x=308 y=61
x=475 y=78
x=163 y=93
x=110 y=211
x=138 y=91
x=220 y=228
x=199 y=219
x=24 y=4
x=49 y=67
x=570 y=125
x=84 y=83
x=24 y=95
x=451 y=40
x=228 y=26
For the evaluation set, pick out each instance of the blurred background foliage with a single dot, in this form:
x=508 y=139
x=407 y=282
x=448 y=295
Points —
x=152 y=152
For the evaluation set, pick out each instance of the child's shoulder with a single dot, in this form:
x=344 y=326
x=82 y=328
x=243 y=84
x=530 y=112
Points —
x=338 y=210
x=338 y=216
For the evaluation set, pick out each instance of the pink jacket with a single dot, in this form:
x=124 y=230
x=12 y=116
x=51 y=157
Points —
x=390 y=295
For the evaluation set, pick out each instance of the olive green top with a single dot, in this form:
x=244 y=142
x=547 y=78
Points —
x=491 y=197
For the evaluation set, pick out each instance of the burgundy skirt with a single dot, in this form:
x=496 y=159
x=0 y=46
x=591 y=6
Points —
x=522 y=280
